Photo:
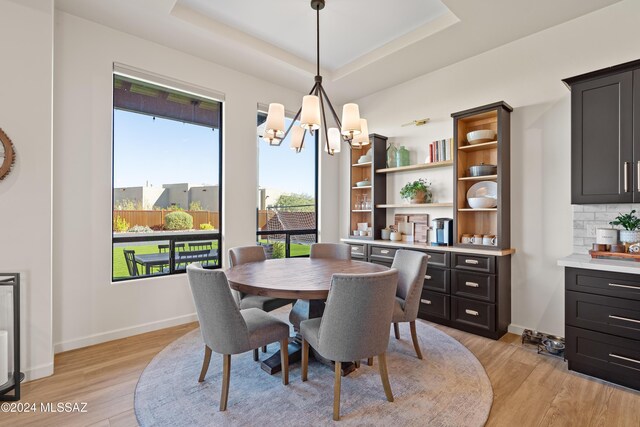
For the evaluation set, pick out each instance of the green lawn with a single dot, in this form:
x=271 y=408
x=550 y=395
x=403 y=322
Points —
x=120 y=270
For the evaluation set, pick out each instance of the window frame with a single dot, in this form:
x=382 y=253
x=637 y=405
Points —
x=181 y=87
x=289 y=233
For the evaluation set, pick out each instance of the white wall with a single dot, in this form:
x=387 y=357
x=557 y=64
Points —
x=87 y=307
x=25 y=195
x=526 y=74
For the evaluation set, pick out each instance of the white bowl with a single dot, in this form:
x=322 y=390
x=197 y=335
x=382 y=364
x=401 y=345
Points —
x=364 y=159
x=480 y=136
x=482 y=202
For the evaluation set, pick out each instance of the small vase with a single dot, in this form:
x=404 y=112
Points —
x=422 y=197
x=629 y=236
x=391 y=156
x=402 y=156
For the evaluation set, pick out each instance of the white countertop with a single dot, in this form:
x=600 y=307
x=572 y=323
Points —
x=423 y=246
x=586 y=262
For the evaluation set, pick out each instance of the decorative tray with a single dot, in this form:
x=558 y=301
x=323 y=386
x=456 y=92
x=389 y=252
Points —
x=615 y=255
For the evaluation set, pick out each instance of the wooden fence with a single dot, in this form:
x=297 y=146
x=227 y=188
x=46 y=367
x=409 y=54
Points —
x=156 y=218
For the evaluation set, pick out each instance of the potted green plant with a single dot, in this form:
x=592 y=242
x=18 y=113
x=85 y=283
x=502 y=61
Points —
x=630 y=224
x=417 y=191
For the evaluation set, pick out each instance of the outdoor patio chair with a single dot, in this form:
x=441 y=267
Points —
x=132 y=265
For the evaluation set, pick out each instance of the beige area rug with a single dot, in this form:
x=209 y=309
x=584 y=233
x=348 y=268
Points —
x=449 y=387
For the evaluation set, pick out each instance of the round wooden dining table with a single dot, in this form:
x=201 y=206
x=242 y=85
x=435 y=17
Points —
x=307 y=280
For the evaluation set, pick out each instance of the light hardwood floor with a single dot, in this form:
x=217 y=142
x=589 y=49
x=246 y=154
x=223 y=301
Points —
x=529 y=389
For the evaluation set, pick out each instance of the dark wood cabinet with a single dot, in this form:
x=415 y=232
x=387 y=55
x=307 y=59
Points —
x=605 y=154
x=602 y=316
x=467 y=291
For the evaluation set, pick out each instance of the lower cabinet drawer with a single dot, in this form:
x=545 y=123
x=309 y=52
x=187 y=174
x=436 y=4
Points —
x=384 y=262
x=473 y=313
x=434 y=304
x=607 y=283
x=357 y=251
x=481 y=263
x=378 y=251
x=473 y=285
x=441 y=259
x=604 y=356
x=610 y=315
x=436 y=279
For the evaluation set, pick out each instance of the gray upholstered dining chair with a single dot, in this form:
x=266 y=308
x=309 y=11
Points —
x=242 y=255
x=331 y=250
x=354 y=326
x=228 y=330
x=412 y=267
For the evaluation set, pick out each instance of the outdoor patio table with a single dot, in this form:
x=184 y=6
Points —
x=306 y=279
x=162 y=258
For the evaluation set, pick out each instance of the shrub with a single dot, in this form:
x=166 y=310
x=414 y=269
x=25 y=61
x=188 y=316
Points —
x=206 y=226
x=178 y=220
x=196 y=206
x=140 y=229
x=120 y=225
x=278 y=250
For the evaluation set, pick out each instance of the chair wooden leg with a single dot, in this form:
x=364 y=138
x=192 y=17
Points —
x=414 y=337
x=226 y=373
x=205 y=363
x=370 y=361
x=357 y=363
x=264 y=348
x=284 y=360
x=396 y=330
x=336 y=391
x=255 y=355
x=305 y=360
x=384 y=376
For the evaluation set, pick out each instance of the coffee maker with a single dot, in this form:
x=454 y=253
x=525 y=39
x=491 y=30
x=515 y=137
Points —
x=443 y=231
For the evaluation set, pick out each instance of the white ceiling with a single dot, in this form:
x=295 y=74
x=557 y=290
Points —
x=366 y=45
x=348 y=29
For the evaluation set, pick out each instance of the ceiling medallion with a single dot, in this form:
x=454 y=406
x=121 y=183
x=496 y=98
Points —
x=312 y=115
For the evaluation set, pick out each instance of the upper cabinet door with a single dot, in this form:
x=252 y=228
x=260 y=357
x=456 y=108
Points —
x=636 y=135
x=602 y=168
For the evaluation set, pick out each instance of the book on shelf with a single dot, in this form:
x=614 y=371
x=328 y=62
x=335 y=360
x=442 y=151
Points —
x=440 y=151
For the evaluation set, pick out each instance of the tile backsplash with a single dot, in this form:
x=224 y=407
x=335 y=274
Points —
x=588 y=218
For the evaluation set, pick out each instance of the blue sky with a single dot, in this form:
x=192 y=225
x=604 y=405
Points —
x=165 y=151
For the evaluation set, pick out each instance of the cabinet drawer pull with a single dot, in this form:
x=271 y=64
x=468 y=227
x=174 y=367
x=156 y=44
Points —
x=628 y=359
x=428 y=256
x=384 y=251
x=425 y=301
x=611 y=316
x=354 y=249
x=626 y=177
x=472 y=312
x=472 y=284
x=427 y=277
x=471 y=261
x=624 y=286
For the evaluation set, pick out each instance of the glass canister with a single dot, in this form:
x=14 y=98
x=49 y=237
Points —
x=402 y=157
x=391 y=156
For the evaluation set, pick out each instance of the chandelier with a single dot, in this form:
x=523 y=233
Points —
x=352 y=129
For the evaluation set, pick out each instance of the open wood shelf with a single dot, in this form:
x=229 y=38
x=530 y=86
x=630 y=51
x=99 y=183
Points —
x=478 y=178
x=360 y=210
x=478 y=210
x=366 y=187
x=361 y=165
x=417 y=205
x=419 y=166
x=477 y=147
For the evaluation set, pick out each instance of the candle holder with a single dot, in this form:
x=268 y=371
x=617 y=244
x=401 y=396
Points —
x=10 y=375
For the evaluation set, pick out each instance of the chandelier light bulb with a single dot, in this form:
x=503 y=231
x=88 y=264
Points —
x=297 y=138
x=310 y=118
x=333 y=138
x=350 y=120
x=363 y=138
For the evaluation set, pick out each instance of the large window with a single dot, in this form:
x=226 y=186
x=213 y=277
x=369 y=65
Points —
x=166 y=179
x=287 y=196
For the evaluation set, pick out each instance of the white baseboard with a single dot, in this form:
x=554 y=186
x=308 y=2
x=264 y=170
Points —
x=516 y=329
x=38 y=372
x=123 y=333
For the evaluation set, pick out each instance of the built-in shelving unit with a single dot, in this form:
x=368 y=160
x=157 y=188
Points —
x=375 y=193
x=467 y=220
x=416 y=205
x=416 y=167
